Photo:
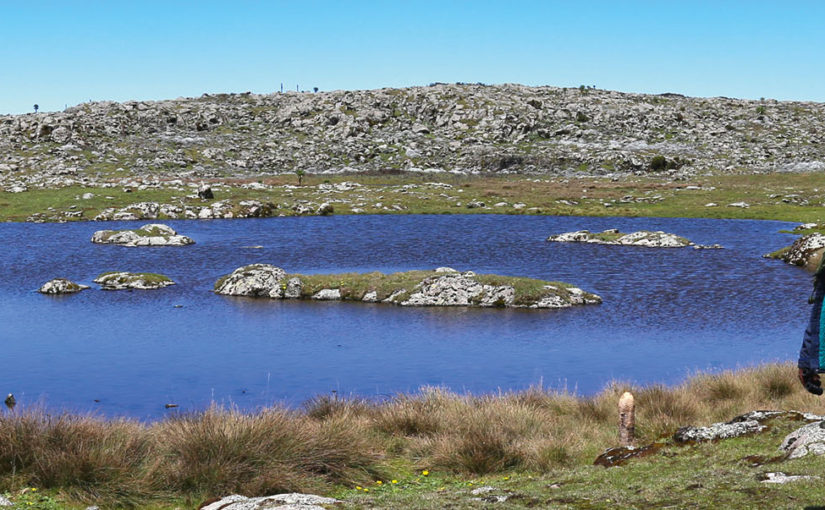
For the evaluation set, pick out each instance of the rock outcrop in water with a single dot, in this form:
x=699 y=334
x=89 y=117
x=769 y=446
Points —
x=646 y=238
x=806 y=251
x=116 y=280
x=61 y=286
x=458 y=128
x=443 y=287
x=153 y=234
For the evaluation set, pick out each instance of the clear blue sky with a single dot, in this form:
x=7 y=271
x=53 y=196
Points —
x=66 y=52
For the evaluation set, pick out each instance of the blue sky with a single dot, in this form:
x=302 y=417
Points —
x=67 y=52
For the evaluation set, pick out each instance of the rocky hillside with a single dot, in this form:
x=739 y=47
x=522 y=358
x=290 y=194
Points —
x=457 y=128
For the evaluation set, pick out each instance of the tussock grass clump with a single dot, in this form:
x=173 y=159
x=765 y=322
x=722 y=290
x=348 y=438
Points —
x=92 y=459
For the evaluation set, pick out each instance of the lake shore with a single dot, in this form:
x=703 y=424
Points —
x=423 y=450
x=770 y=196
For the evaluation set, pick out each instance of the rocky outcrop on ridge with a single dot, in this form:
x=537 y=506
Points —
x=646 y=238
x=153 y=234
x=292 y=501
x=61 y=286
x=443 y=287
x=443 y=127
x=119 y=280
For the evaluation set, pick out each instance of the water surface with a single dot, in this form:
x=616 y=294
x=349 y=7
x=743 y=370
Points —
x=666 y=312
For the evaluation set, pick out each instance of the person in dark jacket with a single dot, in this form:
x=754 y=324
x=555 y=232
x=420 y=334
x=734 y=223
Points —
x=812 y=354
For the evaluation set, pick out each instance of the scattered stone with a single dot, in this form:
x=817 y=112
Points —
x=743 y=205
x=61 y=286
x=5 y=501
x=153 y=234
x=327 y=295
x=292 y=501
x=805 y=440
x=205 y=192
x=325 y=209
x=119 y=280
x=782 y=478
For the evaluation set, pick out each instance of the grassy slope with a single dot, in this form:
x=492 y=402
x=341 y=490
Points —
x=632 y=196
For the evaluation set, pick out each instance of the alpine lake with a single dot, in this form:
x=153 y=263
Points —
x=667 y=312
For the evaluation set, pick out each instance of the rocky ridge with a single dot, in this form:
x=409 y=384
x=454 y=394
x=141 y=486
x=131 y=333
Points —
x=442 y=287
x=443 y=127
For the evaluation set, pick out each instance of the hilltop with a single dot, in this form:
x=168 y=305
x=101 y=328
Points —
x=454 y=128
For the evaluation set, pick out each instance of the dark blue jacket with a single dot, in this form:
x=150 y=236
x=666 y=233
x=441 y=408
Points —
x=812 y=354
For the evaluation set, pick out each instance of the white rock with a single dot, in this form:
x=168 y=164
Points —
x=327 y=295
x=255 y=280
x=61 y=286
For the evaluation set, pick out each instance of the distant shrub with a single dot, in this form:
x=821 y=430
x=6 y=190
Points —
x=760 y=110
x=580 y=117
x=658 y=163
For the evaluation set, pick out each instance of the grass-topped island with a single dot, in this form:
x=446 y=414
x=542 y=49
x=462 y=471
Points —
x=439 y=287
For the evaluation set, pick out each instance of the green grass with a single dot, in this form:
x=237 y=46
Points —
x=540 y=195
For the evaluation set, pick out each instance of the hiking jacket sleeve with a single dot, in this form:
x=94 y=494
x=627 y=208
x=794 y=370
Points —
x=812 y=353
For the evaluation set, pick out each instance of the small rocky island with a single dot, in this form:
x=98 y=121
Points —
x=119 y=280
x=153 y=234
x=648 y=238
x=805 y=251
x=61 y=286
x=439 y=287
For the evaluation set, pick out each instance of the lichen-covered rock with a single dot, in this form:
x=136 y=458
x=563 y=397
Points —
x=657 y=239
x=255 y=280
x=61 y=286
x=153 y=234
x=120 y=280
x=718 y=431
x=291 y=501
x=805 y=440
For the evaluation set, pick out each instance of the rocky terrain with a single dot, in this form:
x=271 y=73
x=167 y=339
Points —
x=458 y=128
x=441 y=287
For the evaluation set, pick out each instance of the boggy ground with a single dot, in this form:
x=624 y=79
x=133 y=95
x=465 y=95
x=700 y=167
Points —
x=427 y=450
x=786 y=196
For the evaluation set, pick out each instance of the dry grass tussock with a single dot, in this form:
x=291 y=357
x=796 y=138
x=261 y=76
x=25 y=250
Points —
x=333 y=440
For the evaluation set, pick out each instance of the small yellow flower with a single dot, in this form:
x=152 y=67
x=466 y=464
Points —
x=425 y=473
x=395 y=481
x=358 y=487
x=506 y=477
x=379 y=482
x=34 y=489
x=366 y=490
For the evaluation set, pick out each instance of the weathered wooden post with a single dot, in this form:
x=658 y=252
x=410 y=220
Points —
x=627 y=419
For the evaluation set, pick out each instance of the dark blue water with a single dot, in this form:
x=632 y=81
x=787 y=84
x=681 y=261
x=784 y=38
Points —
x=666 y=314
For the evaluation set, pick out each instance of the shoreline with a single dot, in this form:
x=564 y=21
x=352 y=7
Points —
x=433 y=442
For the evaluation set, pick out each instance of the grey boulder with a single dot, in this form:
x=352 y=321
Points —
x=61 y=286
